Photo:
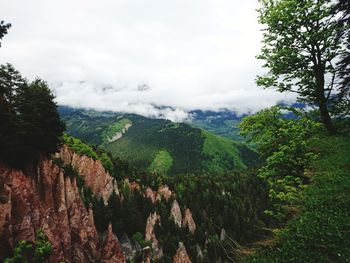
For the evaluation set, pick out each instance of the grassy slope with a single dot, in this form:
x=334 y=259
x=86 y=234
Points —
x=161 y=163
x=321 y=232
x=222 y=153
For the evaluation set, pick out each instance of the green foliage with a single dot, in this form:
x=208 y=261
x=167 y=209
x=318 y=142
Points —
x=225 y=128
x=302 y=41
x=283 y=143
x=128 y=216
x=3 y=29
x=191 y=149
x=221 y=154
x=138 y=237
x=234 y=201
x=26 y=252
x=79 y=146
x=161 y=163
x=320 y=233
x=31 y=127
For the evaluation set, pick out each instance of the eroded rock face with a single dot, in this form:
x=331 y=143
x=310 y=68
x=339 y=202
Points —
x=165 y=192
x=152 y=220
x=222 y=234
x=149 y=193
x=129 y=247
x=50 y=202
x=176 y=213
x=120 y=134
x=111 y=250
x=188 y=221
x=93 y=172
x=181 y=255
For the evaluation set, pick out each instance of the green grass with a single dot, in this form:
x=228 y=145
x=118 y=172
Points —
x=321 y=232
x=221 y=153
x=162 y=163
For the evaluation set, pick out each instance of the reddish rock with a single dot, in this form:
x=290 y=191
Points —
x=94 y=174
x=150 y=235
x=149 y=193
x=151 y=222
x=50 y=202
x=188 y=221
x=181 y=255
x=111 y=251
x=164 y=192
x=134 y=186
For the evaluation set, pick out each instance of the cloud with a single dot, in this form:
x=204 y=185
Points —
x=137 y=55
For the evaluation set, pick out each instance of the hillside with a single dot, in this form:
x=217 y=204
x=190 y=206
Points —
x=320 y=232
x=158 y=145
x=223 y=123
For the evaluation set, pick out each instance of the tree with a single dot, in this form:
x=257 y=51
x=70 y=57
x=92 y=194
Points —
x=26 y=252
x=41 y=127
x=10 y=82
x=343 y=8
x=302 y=41
x=3 y=29
x=31 y=127
x=283 y=143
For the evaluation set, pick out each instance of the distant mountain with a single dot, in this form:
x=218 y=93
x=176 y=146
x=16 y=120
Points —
x=158 y=145
x=223 y=123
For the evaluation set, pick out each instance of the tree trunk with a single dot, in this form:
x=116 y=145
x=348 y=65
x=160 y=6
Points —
x=319 y=71
x=326 y=118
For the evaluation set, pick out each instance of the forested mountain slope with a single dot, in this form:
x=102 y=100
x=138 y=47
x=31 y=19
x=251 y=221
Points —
x=158 y=145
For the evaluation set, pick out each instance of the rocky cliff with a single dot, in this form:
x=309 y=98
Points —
x=94 y=174
x=50 y=201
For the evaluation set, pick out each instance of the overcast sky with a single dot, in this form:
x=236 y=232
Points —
x=129 y=55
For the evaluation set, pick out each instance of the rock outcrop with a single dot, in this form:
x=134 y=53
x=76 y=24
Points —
x=119 y=135
x=152 y=220
x=129 y=247
x=111 y=250
x=165 y=192
x=181 y=255
x=94 y=174
x=188 y=221
x=176 y=213
x=51 y=202
x=149 y=193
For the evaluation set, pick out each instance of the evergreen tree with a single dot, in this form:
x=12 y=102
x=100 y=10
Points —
x=11 y=82
x=41 y=127
x=31 y=126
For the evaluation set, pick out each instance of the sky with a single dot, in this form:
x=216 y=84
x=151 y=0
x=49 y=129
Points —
x=136 y=55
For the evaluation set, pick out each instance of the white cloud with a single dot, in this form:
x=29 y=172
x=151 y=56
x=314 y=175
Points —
x=197 y=54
